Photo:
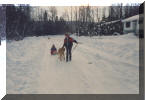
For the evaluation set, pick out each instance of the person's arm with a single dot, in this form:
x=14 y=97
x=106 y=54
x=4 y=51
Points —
x=75 y=41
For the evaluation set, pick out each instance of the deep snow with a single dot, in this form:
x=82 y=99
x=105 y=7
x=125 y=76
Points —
x=100 y=65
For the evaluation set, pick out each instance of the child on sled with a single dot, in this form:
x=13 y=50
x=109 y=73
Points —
x=53 y=50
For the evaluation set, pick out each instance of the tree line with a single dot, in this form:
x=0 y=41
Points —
x=2 y=22
x=24 y=20
x=20 y=22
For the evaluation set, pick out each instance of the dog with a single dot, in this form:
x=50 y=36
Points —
x=61 y=55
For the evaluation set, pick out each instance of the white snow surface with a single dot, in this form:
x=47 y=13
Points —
x=3 y=69
x=3 y=53
x=100 y=65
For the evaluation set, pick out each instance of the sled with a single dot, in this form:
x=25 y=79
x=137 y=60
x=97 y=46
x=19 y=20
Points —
x=54 y=53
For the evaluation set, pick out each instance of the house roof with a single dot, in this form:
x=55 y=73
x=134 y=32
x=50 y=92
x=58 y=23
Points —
x=136 y=17
x=106 y=23
x=112 y=22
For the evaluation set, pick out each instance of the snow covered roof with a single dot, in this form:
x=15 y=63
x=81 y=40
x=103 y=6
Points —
x=136 y=17
x=112 y=22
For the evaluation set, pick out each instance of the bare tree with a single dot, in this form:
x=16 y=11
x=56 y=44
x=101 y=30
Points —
x=65 y=15
x=131 y=10
x=97 y=15
x=115 y=12
x=103 y=13
x=98 y=19
x=71 y=19
x=93 y=15
x=76 y=20
x=82 y=14
x=53 y=13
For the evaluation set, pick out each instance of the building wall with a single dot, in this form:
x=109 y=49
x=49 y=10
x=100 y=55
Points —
x=134 y=27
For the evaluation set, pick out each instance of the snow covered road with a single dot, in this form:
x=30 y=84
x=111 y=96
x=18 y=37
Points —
x=109 y=65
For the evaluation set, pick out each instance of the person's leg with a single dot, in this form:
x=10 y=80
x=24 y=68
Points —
x=70 y=55
x=67 y=53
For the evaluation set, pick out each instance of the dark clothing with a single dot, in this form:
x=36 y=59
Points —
x=68 y=54
x=53 y=50
x=68 y=43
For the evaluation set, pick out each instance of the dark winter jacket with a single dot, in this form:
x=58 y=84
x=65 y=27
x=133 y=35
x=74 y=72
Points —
x=68 y=42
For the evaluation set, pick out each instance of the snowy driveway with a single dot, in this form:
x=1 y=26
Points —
x=106 y=65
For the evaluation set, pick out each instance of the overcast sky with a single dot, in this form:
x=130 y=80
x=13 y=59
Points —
x=69 y=2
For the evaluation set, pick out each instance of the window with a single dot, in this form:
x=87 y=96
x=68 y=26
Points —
x=127 y=24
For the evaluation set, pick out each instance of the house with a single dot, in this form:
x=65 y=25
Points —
x=131 y=24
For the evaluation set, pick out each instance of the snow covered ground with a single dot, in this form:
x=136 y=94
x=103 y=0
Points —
x=100 y=65
x=2 y=68
x=3 y=53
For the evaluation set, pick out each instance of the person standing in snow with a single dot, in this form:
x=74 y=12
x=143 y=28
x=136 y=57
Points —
x=68 y=43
